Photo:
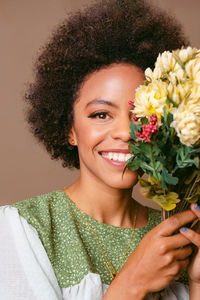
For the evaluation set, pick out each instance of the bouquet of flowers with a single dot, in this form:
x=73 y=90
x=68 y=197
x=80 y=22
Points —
x=165 y=132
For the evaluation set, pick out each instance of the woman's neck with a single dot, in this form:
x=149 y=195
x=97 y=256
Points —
x=105 y=204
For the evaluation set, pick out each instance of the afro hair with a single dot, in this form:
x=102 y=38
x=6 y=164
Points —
x=108 y=31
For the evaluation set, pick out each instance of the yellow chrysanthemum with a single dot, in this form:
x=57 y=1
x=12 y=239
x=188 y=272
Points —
x=151 y=99
x=180 y=92
x=150 y=75
x=186 y=54
x=195 y=92
x=187 y=122
x=192 y=69
x=166 y=64
x=177 y=75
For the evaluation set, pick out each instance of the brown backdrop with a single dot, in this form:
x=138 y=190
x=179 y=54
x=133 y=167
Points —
x=26 y=170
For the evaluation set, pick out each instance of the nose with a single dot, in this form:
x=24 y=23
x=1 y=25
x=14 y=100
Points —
x=121 y=128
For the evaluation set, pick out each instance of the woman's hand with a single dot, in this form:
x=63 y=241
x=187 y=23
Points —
x=194 y=237
x=158 y=260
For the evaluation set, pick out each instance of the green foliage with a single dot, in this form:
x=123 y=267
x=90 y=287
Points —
x=144 y=120
x=172 y=167
x=167 y=178
x=152 y=190
x=186 y=157
x=134 y=128
x=168 y=101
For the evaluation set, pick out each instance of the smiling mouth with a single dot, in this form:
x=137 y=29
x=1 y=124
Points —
x=116 y=156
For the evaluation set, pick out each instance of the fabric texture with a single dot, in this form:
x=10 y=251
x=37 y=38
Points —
x=46 y=253
x=68 y=241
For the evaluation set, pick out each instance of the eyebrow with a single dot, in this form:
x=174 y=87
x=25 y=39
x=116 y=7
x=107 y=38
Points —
x=101 y=101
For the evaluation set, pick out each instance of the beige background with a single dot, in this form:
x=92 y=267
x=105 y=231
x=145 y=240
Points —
x=25 y=168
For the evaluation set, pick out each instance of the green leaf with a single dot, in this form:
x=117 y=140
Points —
x=144 y=120
x=166 y=120
x=164 y=186
x=133 y=164
x=170 y=118
x=134 y=128
x=169 y=100
x=165 y=114
x=167 y=202
x=168 y=178
x=186 y=157
x=161 y=159
x=146 y=167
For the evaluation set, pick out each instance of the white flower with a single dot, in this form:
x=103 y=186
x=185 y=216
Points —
x=179 y=92
x=192 y=69
x=177 y=75
x=166 y=62
x=186 y=54
x=148 y=74
x=187 y=122
x=195 y=92
x=156 y=74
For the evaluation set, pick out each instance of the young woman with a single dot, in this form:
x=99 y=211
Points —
x=91 y=240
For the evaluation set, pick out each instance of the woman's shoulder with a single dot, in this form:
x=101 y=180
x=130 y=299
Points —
x=39 y=210
x=40 y=201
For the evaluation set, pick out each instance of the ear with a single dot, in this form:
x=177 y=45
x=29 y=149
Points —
x=72 y=137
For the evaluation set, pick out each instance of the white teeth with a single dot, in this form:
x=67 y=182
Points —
x=121 y=157
x=117 y=156
x=110 y=155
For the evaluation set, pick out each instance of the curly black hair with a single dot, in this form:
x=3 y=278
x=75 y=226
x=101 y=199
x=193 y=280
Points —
x=108 y=31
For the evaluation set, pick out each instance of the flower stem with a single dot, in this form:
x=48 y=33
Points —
x=154 y=164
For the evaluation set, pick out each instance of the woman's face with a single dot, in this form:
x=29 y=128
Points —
x=101 y=124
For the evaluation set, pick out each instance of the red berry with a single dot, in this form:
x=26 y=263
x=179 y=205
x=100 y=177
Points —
x=153 y=119
x=155 y=128
x=131 y=102
x=137 y=134
x=143 y=134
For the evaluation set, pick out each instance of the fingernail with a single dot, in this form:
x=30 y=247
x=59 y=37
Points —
x=197 y=207
x=184 y=229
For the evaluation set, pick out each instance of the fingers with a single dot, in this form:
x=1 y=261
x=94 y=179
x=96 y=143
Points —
x=191 y=235
x=175 y=222
x=183 y=253
x=177 y=241
x=196 y=210
x=174 y=253
x=177 y=268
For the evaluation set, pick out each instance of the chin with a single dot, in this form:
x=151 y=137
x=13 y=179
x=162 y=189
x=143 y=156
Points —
x=125 y=183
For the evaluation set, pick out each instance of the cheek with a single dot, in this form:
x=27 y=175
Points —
x=91 y=135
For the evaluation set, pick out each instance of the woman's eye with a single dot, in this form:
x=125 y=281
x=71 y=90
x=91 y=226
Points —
x=99 y=115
